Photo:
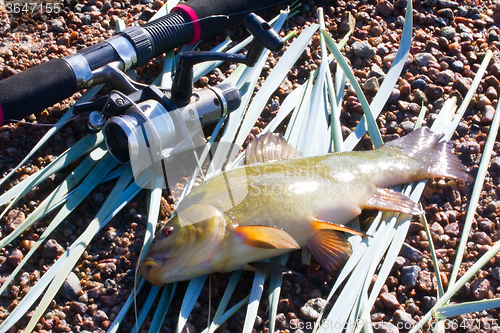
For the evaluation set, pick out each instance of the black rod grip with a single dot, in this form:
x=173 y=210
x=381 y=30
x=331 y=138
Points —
x=36 y=88
x=236 y=10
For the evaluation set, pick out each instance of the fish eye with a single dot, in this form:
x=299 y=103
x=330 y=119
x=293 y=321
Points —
x=169 y=231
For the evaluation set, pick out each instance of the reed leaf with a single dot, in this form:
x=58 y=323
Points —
x=390 y=80
x=192 y=294
x=254 y=301
x=92 y=180
x=274 y=290
x=217 y=321
x=163 y=305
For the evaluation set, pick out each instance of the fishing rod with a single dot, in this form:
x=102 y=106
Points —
x=41 y=86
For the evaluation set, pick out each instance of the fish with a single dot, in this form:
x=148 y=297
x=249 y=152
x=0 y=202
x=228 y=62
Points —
x=276 y=204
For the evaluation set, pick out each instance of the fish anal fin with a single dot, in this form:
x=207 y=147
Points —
x=325 y=225
x=267 y=268
x=390 y=200
x=266 y=237
x=330 y=249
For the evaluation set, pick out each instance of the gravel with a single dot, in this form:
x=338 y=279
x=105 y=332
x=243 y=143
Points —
x=450 y=39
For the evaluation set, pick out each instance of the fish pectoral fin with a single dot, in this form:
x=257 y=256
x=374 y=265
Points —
x=390 y=200
x=324 y=225
x=267 y=268
x=330 y=249
x=266 y=237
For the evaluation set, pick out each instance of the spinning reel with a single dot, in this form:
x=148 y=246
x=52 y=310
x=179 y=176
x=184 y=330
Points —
x=147 y=126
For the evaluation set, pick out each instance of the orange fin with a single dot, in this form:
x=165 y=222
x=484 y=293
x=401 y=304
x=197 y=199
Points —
x=324 y=225
x=266 y=237
x=386 y=199
x=330 y=249
x=270 y=147
x=267 y=268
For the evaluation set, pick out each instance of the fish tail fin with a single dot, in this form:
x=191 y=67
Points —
x=436 y=157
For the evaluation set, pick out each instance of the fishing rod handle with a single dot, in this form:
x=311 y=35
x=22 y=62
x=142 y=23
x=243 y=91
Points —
x=48 y=83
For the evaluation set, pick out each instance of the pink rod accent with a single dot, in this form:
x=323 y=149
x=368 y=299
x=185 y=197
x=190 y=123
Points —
x=194 y=20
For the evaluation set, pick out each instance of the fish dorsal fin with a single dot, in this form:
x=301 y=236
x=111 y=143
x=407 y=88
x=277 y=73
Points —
x=266 y=237
x=387 y=199
x=324 y=225
x=267 y=268
x=270 y=147
x=330 y=249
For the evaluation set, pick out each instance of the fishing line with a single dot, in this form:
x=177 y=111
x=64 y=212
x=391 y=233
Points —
x=46 y=125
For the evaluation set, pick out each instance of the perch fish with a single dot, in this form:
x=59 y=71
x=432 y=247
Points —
x=267 y=208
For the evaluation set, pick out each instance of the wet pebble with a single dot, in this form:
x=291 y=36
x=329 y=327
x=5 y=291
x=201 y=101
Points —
x=310 y=311
x=480 y=237
x=445 y=77
x=403 y=320
x=99 y=316
x=429 y=301
x=409 y=275
x=488 y=113
x=426 y=281
x=480 y=289
x=469 y=147
x=457 y=66
x=52 y=249
x=452 y=229
x=15 y=257
x=433 y=91
x=422 y=59
x=78 y=307
x=495 y=273
x=71 y=287
x=411 y=253
x=371 y=85
x=385 y=327
x=407 y=126
x=448 y=32
x=389 y=300
x=385 y=8
x=363 y=50
x=14 y=219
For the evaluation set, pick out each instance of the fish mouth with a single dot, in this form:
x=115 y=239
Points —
x=149 y=269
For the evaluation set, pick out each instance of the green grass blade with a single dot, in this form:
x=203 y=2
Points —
x=288 y=105
x=230 y=312
x=275 y=290
x=192 y=294
x=254 y=301
x=146 y=307
x=81 y=192
x=432 y=249
x=113 y=204
x=60 y=123
x=279 y=72
x=372 y=124
x=455 y=310
x=389 y=80
x=476 y=193
x=121 y=315
x=79 y=149
x=312 y=136
x=163 y=305
x=217 y=321
x=54 y=199
x=293 y=130
x=473 y=87
x=420 y=118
